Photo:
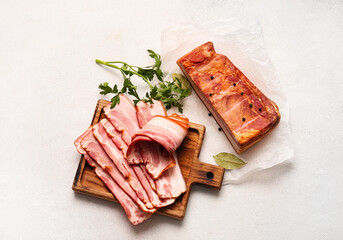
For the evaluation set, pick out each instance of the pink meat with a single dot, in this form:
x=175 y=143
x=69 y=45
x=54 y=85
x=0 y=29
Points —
x=164 y=130
x=154 y=198
x=157 y=141
x=171 y=183
x=157 y=159
x=96 y=152
x=118 y=158
x=133 y=212
x=115 y=135
x=110 y=148
x=148 y=176
x=123 y=117
x=79 y=148
x=139 y=171
x=145 y=111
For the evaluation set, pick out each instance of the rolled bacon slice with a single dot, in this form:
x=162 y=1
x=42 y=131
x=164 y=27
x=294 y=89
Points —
x=171 y=183
x=157 y=141
x=118 y=158
x=167 y=131
x=97 y=153
x=155 y=157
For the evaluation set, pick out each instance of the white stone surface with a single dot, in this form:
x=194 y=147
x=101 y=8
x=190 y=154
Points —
x=49 y=90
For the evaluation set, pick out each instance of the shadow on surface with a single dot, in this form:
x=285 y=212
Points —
x=266 y=175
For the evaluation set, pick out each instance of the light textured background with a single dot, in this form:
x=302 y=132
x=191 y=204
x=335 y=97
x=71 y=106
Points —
x=48 y=93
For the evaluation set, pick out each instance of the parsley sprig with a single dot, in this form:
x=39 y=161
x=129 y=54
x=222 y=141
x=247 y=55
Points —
x=169 y=92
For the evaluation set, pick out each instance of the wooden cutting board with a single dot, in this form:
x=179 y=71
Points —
x=193 y=171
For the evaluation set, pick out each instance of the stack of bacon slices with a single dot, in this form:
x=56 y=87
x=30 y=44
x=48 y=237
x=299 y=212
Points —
x=133 y=153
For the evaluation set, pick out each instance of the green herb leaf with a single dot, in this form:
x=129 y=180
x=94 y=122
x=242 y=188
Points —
x=228 y=160
x=182 y=82
x=169 y=92
x=107 y=89
x=115 y=100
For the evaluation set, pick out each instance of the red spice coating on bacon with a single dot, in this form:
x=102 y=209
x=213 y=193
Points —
x=244 y=113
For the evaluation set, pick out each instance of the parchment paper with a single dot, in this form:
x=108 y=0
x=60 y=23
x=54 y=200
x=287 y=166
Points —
x=242 y=43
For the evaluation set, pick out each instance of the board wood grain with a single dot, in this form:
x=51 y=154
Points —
x=193 y=171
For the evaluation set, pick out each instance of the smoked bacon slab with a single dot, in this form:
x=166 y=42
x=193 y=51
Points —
x=243 y=112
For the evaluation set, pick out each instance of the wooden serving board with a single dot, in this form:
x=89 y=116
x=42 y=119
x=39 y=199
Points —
x=193 y=171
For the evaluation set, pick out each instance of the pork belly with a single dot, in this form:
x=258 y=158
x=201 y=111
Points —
x=244 y=113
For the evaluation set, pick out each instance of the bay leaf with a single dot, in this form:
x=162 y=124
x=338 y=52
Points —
x=228 y=160
x=181 y=79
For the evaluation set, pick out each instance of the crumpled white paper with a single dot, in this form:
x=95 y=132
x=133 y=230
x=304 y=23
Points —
x=243 y=44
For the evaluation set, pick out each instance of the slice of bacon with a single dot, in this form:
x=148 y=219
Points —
x=145 y=111
x=79 y=148
x=154 y=198
x=157 y=140
x=110 y=148
x=140 y=172
x=117 y=157
x=96 y=152
x=155 y=157
x=115 y=135
x=167 y=131
x=171 y=183
x=77 y=142
x=123 y=117
x=148 y=177
x=133 y=212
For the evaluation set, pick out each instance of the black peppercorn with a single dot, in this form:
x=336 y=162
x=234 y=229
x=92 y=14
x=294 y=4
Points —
x=212 y=77
x=211 y=94
x=210 y=114
x=242 y=93
x=250 y=105
x=243 y=119
x=234 y=84
x=260 y=109
x=219 y=129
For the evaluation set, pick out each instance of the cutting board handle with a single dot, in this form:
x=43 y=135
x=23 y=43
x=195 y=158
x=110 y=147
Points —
x=206 y=174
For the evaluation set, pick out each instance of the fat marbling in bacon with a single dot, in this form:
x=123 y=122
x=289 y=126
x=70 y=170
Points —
x=117 y=157
x=133 y=212
x=170 y=183
x=96 y=152
x=244 y=113
x=163 y=135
